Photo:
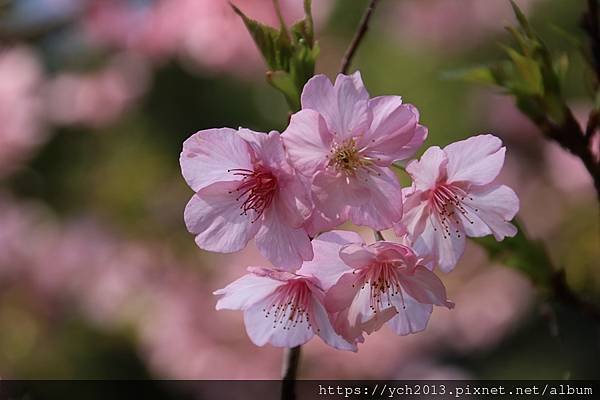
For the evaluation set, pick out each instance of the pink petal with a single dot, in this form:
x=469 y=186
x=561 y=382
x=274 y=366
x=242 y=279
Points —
x=318 y=94
x=354 y=332
x=293 y=201
x=342 y=293
x=375 y=323
x=344 y=105
x=246 y=291
x=412 y=319
x=263 y=330
x=323 y=328
x=268 y=149
x=208 y=155
x=214 y=215
x=284 y=246
x=392 y=252
x=446 y=251
x=495 y=205
x=410 y=148
x=393 y=127
x=477 y=160
x=362 y=316
x=425 y=287
x=429 y=169
x=307 y=141
x=342 y=326
x=327 y=266
x=416 y=212
x=353 y=116
x=293 y=197
x=319 y=222
x=385 y=205
x=472 y=225
x=358 y=255
x=332 y=193
x=272 y=273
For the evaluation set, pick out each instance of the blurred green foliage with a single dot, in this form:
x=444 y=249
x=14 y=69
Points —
x=290 y=53
x=531 y=74
x=523 y=254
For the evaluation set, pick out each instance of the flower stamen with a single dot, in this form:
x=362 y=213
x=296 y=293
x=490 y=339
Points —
x=382 y=279
x=448 y=202
x=348 y=159
x=258 y=187
x=290 y=305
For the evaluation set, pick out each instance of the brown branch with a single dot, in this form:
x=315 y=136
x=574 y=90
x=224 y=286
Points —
x=291 y=360
x=358 y=37
x=591 y=25
x=592 y=124
x=571 y=137
x=563 y=293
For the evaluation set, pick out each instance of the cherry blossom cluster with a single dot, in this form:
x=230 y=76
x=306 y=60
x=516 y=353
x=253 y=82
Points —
x=334 y=164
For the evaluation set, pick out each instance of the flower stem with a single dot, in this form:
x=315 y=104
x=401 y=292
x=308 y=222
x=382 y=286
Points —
x=291 y=360
x=291 y=357
x=358 y=37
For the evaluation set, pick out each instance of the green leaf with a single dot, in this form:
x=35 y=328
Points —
x=532 y=107
x=303 y=30
x=290 y=54
x=522 y=19
x=560 y=65
x=523 y=42
x=529 y=80
x=597 y=100
x=283 y=82
x=274 y=44
x=481 y=75
x=523 y=254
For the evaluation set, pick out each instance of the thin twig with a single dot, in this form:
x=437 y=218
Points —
x=358 y=37
x=291 y=360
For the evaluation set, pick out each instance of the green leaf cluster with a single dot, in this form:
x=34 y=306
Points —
x=530 y=73
x=290 y=52
x=523 y=254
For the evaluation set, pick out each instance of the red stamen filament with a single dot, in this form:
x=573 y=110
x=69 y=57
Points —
x=383 y=282
x=447 y=201
x=291 y=305
x=258 y=187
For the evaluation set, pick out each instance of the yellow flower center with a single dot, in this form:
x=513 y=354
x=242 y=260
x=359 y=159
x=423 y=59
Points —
x=346 y=158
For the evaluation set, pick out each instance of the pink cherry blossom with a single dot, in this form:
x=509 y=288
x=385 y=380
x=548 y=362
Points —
x=202 y=33
x=97 y=98
x=369 y=285
x=454 y=194
x=21 y=110
x=281 y=308
x=345 y=143
x=245 y=188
